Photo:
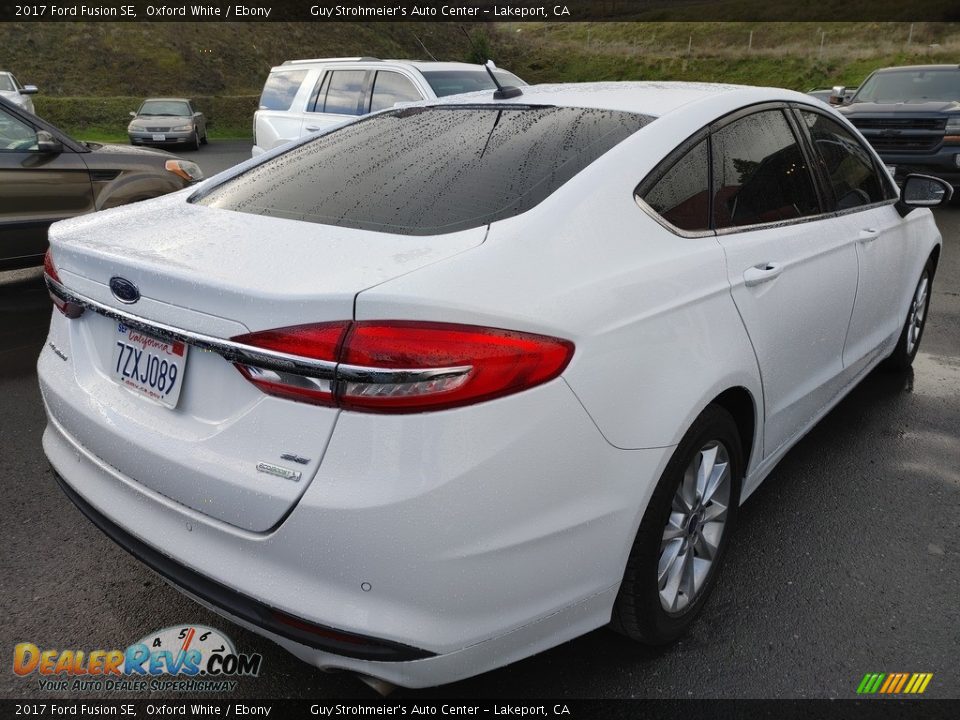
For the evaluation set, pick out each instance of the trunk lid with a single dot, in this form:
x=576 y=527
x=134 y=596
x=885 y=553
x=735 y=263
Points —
x=217 y=273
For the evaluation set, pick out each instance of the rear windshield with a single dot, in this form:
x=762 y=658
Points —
x=454 y=82
x=911 y=86
x=429 y=170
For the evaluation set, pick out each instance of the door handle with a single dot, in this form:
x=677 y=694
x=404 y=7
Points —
x=867 y=235
x=313 y=128
x=764 y=272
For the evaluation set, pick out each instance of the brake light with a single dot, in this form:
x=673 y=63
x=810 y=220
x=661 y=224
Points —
x=402 y=366
x=67 y=308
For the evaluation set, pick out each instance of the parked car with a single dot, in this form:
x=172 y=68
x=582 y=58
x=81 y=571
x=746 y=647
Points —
x=304 y=96
x=836 y=95
x=167 y=121
x=911 y=116
x=13 y=91
x=457 y=382
x=46 y=176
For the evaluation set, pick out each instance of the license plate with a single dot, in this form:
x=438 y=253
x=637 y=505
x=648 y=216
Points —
x=159 y=138
x=148 y=365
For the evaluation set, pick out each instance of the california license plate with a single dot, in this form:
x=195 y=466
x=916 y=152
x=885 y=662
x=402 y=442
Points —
x=148 y=365
x=159 y=138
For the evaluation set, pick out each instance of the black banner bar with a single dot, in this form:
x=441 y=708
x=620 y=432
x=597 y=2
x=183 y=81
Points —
x=867 y=709
x=469 y=11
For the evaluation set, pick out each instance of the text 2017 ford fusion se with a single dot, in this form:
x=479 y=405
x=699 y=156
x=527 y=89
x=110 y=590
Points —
x=457 y=382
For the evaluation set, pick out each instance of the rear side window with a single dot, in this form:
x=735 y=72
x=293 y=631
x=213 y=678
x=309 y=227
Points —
x=760 y=174
x=280 y=89
x=389 y=88
x=853 y=177
x=345 y=92
x=429 y=170
x=681 y=196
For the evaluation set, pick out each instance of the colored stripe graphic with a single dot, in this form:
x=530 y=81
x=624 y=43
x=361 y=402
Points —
x=894 y=683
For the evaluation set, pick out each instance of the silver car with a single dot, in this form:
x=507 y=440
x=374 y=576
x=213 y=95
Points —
x=12 y=90
x=167 y=121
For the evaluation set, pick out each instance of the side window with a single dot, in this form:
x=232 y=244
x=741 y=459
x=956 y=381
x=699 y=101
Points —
x=344 y=92
x=760 y=174
x=847 y=164
x=16 y=136
x=280 y=89
x=681 y=195
x=390 y=88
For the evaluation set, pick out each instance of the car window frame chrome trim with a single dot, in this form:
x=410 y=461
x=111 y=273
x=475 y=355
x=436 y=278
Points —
x=248 y=355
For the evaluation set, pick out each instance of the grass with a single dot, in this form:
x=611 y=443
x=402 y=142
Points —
x=222 y=66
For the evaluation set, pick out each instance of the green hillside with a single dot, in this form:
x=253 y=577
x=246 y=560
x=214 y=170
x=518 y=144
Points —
x=89 y=73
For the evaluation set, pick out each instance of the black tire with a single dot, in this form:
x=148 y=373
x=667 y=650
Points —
x=203 y=140
x=903 y=354
x=638 y=612
x=194 y=143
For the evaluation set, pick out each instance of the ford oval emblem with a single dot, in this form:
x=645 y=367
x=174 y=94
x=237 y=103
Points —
x=124 y=290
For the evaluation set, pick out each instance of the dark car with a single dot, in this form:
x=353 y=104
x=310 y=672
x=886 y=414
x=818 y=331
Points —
x=167 y=121
x=911 y=115
x=47 y=176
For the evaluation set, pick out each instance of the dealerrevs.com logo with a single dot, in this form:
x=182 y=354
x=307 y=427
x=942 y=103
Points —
x=183 y=658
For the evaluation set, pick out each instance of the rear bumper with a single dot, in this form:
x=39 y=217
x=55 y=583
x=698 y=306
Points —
x=460 y=541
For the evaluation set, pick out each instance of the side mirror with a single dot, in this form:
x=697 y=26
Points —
x=48 y=144
x=29 y=90
x=132 y=114
x=923 y=191
x=837 y=95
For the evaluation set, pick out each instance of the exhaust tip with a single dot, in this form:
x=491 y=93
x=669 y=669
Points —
x=382 y=687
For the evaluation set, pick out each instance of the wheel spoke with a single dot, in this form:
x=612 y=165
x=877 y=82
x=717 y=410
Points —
x=706 y=547
x=668 y=562
x=718 y=478
x=670 y=593
x=688 y=582
x=674 y=528
x=708 y=460
x=715 y=512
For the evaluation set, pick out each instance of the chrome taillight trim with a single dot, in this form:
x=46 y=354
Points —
x=258 y=357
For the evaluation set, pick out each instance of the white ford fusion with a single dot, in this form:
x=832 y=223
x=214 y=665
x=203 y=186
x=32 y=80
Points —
x=455 y=383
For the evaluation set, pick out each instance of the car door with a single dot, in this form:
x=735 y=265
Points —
x=864 y=202
x=282 y=106
x=36 y=189
x=793 y=277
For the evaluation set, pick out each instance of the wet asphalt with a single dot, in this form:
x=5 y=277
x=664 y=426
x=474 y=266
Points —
x=846 y=560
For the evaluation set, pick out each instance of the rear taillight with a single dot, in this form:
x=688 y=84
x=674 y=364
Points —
x=69 y=309
x=402 y=366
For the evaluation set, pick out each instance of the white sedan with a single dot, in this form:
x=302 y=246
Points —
x=458 y=382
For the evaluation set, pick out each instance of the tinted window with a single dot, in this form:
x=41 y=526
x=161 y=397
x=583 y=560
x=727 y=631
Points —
x=165 y=107
x=425 y=171
x=16 y=136
x=389 y=88
x=760 y=174
x=845 y=161
x=454 y=82
x=681 y=196
x=344 y=92
x=921 y=85
x=280 y=89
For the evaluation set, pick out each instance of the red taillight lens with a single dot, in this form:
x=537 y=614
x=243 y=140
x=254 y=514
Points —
x=404 y=366
x=71 y=310
x=315 y=342
x=475 y=364
x=48 y=267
